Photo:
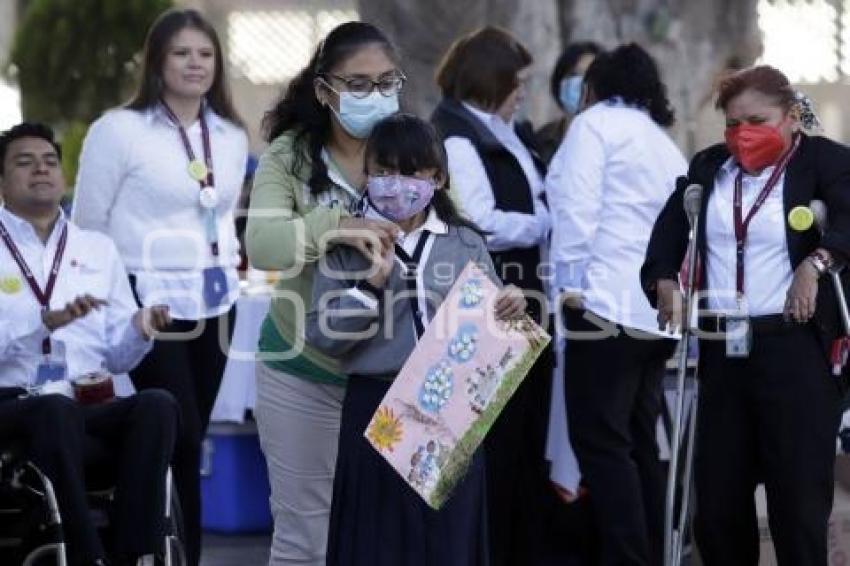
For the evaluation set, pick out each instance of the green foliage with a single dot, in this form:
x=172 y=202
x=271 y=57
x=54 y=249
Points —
x=73 y=59
x=72 y=144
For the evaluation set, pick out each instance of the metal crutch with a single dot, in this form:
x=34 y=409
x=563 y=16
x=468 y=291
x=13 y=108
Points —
x=674 y=534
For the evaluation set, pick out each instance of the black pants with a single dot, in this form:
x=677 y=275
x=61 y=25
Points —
x=614 y=395
x=377 y=519
x=518 y=487
x=126 y=443
x=190 y=369
x=771 y=418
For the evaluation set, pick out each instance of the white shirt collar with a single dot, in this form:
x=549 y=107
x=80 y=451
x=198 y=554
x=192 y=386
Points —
x=432 y=223
x=336 y=177
x=157 y=112
x=489 y=119
x=731 y=167
x=19 y=227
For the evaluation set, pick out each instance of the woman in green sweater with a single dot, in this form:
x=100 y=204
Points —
x=308 y=184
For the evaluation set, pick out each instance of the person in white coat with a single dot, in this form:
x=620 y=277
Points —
x=606 y=185
x=162 y=176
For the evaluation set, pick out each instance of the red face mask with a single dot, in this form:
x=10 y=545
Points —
x=755 y=146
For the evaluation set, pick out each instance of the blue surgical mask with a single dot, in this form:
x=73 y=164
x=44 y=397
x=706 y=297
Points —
x=358 y=116
x=570 y=93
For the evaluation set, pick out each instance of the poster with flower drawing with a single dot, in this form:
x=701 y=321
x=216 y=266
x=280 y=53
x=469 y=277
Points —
x=452 y=388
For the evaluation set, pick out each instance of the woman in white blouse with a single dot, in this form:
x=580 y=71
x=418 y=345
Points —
x=606 y=185
x=498 y=179
x=162 y=176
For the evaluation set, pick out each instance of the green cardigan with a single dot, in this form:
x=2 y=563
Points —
x=286 y=232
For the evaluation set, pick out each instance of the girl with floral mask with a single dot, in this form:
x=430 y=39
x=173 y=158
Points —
x=376 y=517
x=771 y=394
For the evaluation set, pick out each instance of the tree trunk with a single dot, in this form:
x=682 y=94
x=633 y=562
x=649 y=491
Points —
x=693 y=42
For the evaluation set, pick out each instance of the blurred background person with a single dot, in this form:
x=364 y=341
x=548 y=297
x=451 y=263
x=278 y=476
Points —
x=565 y=84
x=308 y=184
x=769 y=407
x=606 y=185
x=162 y=176
x=498 y=177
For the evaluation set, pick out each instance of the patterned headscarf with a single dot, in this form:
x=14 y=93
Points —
x=808 y=118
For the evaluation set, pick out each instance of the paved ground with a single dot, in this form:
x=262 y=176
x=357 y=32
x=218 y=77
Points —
x=220 y=550
x=229 y=550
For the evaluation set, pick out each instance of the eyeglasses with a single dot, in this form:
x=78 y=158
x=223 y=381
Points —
x=361 y=87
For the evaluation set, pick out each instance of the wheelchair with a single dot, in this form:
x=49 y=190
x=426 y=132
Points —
x=31 y=525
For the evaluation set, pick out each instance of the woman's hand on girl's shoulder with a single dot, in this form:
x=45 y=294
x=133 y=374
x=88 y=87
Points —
x=369 y=237
x=382 y=266
x=510 y=303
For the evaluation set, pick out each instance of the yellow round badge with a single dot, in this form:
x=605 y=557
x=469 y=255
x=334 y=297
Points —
x=10 y=285
x=801 y=218
x=197 y=170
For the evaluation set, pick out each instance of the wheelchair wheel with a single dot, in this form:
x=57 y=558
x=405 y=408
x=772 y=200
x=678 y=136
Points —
x=174 y=553
x=29 y=521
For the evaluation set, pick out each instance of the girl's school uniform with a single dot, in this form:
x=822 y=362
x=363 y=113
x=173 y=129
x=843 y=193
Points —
x=376 y=518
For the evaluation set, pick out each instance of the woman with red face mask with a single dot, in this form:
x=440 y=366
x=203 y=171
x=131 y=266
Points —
x=771 y=388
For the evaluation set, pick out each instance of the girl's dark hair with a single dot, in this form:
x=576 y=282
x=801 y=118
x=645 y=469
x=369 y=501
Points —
x=407 y=144
x=163 y=30
x=299 y=111
x=629 y=72
x=566 y=65
x=765 y=79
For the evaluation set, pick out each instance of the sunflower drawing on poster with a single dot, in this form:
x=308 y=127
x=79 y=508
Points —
x=453 y=386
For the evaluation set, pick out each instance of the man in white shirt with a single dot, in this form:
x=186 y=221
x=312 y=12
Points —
x=66 y=310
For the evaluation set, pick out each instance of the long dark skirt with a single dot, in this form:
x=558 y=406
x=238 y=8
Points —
x=376 y=517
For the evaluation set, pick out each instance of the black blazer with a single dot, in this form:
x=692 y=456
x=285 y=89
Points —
x=820 y=169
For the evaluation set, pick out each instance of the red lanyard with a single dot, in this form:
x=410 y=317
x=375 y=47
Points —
x=206 y=181
x=43 y=297
x=743 y=224
x=205 y=178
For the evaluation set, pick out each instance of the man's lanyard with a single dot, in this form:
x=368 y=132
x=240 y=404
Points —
x=42 y=296
x=201 y=171
x=743 y=224
x=410 y=276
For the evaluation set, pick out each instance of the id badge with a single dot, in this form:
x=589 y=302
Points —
x=215 y=286
x=739 y=337
x=53 y=366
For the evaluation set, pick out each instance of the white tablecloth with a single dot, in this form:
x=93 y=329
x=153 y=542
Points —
x=564 y=470
x=239 y=385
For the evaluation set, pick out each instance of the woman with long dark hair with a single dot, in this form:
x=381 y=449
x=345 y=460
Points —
x=161 y=176
x=308 y=184
x=606 y=185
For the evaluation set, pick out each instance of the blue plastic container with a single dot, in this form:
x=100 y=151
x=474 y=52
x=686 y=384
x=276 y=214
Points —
x=234 y=481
